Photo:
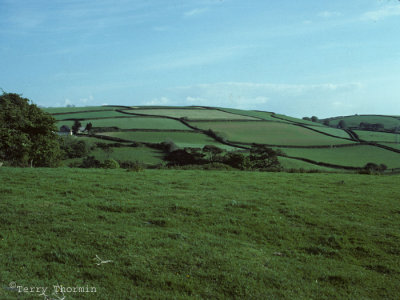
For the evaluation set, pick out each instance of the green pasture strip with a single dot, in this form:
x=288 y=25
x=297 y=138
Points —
x=193 y=114
x=273 y=133
x=194 y=138
x=134 y=123
x=332 y=131
x=68 y=123
x=297 y=120
x=251 y=113
x=92 y=140
x=389 y=122
x=54 y=110
x=145 y=155
x=375 y=136
x=356 y=156
x=289 y=163
x=393 y=145
x=89 y=115
x=168 y=234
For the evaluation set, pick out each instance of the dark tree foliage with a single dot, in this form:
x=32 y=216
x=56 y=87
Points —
x=264 y=158
x=90 y=162
x=237 y=160
x=27 y=134
x=89 y=126
x=213 y=153
x=342 y=124
x=76 y=126
x=187 y=156
x=74 y=148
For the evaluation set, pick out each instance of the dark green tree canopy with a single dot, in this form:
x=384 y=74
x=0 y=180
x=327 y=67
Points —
x=27 y=134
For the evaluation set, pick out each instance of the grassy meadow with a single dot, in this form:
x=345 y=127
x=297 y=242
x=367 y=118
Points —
x=273 y=133
x=355 y=156
x=170 y=234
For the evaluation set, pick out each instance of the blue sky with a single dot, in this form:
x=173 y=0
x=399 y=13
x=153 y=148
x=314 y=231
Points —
x=300 y=58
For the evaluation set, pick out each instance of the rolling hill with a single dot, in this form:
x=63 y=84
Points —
x=303 y=144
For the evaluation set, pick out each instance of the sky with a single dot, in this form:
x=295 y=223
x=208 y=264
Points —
x=298 y=58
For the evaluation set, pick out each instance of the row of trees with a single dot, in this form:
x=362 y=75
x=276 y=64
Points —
x=260 y=158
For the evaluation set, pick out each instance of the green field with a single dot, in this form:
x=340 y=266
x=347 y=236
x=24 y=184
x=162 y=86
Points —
x=272 y=133
x=144 y=155
x=181 y=139
x=300 y=121
x=251 y=113
x=89 y=115
x=393 y=145
x=243 y=128
x=289 y=163
x=199 y=234
x=133 y=123
x=332 y=131
x=389 y=122
x=375 y=136
x=192 y=114
x=357 y=156
x=56 y=110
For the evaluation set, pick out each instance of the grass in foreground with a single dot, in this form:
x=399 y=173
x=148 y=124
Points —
x=192 y=234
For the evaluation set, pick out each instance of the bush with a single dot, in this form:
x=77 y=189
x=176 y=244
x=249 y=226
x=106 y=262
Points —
x=90 y=162
x=73 y=147
x=110 y=164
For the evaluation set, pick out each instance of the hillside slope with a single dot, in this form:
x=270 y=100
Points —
x=310 y=145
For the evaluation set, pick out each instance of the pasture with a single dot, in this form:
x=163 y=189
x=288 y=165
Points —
x=375 y=136
x=192 y=114
x=89 y=115
x=389 y=122
x=200 y=234
x=134 y=123
x=55 y=110
x=181 y=139
x=356 y=156
x=272 y=133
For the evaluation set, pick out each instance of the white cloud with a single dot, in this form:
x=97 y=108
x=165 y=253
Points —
x=291 y=99
x=194 y=12
x=67 y=102
x=381 y=13
x=86 y=100
x=193 y=58
x=329 y=14
x=158 y=101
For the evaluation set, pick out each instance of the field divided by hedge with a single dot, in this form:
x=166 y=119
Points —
x=273 y=133
x=357 y=156
x=181 y=139
x=133 y=123
x=192 y=114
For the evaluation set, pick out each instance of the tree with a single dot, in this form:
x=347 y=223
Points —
x=342 y=124
x=314 y=119
x=27 y=134
x=76 y=126
x=89 y=126
x=213 y=152
x=264 y=158
x=237 y=160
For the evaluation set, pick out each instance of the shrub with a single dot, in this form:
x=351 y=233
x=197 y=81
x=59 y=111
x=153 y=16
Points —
x=90 y=162
x=110 y=164
x=136 y=167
